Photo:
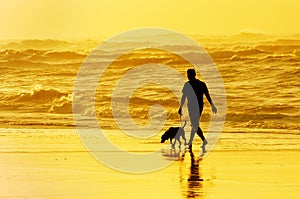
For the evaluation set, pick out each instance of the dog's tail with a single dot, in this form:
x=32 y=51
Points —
x=184 y=124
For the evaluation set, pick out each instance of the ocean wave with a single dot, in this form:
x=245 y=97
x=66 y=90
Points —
x=287 y=42
x=253 y=53
x=238 y=58
x=250 y=52
x=62 y=105
x=48 y=44
x=39 y=100
x=16 y=55
x=238 y=55
x=23 y=123
x=263 y=120
x=269 y=125
x=169 y=102
x=37 y=95
x=246 y=117
x=278 y=49
x=27 y=65
x=23 y=64
x=58 y=56
x=32 y=55
x=222 y=54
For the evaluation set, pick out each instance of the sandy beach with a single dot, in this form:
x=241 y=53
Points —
x=39 y=165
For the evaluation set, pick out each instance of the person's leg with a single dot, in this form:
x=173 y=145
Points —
x=200 y=134
x=194 y=127
x=195 y=113
x=192 y=136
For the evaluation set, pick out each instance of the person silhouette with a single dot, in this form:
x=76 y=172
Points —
x=193 y=90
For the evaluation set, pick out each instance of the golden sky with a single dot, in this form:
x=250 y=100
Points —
x=82 y=19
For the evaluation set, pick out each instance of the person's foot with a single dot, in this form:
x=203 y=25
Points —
x=203 y=148
x=189 y=144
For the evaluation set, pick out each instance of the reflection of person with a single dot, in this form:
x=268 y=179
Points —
x=193 y=90
x=194 y=181
x=193 y=186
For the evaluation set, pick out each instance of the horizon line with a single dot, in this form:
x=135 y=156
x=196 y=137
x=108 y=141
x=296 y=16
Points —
x=97 y=38
x=102 y=37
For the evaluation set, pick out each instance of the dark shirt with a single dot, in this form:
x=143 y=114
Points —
x=194 y=90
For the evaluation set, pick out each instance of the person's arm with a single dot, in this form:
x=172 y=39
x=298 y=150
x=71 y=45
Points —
x=207 y=95
x=183 y=97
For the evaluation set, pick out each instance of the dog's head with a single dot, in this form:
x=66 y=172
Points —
x=166 y=135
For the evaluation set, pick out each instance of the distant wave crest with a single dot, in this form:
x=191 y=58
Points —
x=40 y=100
x=37 y=95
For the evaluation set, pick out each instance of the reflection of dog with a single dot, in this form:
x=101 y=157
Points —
x=174 y=132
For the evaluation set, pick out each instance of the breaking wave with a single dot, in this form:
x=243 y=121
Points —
x=37 y=95
x=39 y=100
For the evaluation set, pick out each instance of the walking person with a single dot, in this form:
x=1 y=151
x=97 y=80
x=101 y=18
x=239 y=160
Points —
x=193 y=90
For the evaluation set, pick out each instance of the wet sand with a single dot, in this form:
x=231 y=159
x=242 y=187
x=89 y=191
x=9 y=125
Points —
x=68 y=171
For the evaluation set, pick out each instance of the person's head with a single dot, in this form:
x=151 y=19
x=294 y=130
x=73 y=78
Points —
x=191 y=74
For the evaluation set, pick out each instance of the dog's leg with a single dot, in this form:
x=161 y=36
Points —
x=172 y=144
x=179 y=143
x=183 y=137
